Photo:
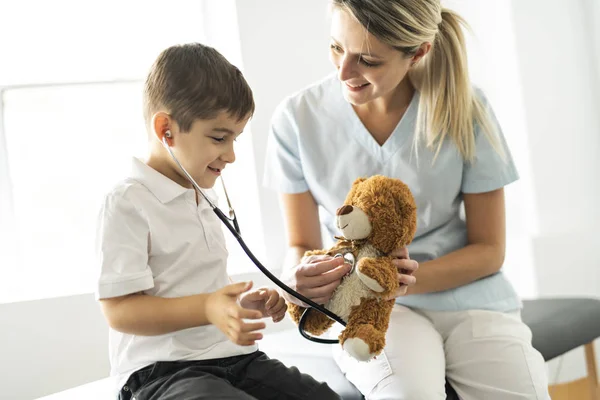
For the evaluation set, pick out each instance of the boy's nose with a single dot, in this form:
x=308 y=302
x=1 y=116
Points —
x=229 y=156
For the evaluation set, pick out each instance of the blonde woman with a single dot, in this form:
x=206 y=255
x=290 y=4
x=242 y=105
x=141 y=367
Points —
x=401 y=104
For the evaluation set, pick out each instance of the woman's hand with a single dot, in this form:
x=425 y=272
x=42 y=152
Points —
x=316 y=277
x=406 y=267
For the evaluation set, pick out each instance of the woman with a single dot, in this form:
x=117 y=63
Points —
x=401 y=104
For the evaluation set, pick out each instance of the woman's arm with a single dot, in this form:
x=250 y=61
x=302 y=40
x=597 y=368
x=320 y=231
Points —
x=315 y=277
x=301 y=217
x=482 y=256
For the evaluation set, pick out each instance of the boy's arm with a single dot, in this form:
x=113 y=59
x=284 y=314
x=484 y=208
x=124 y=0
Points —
x=144 y=315
x=140 y=314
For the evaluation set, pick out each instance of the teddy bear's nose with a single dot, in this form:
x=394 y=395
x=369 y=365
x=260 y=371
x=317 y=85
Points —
x=344 y=210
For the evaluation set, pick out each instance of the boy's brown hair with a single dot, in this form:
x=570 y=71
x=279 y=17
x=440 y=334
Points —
x=193 y=81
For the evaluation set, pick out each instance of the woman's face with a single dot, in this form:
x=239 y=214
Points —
x=367 y=67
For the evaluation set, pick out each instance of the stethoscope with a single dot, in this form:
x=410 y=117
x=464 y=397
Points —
x=232 y=225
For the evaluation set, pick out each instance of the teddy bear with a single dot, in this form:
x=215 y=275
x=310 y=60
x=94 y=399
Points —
x=378 y=216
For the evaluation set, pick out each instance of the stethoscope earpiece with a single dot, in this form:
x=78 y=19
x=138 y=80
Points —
x=166 y=140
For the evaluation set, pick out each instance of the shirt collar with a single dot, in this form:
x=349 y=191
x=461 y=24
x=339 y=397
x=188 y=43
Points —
x=162 y=187
x=159 y=185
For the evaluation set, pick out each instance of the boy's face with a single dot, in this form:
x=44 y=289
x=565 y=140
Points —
x=206 y=149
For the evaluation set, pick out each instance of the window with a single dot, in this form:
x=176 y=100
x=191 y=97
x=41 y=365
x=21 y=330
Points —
x=66 y=146
x=70 y=121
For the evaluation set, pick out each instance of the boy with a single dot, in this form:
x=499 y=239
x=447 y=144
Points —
x=179 y=330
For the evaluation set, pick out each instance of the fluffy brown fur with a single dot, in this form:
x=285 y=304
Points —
x=361 y=297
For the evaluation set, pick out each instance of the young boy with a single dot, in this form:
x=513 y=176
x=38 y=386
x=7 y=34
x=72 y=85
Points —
x=179 y=330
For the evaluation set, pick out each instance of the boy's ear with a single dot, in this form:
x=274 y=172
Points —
x=161 y=123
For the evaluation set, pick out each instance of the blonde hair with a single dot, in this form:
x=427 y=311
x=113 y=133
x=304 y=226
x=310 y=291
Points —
x=448 y=106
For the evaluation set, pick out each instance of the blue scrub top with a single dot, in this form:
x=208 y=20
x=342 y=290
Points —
x=317 y=143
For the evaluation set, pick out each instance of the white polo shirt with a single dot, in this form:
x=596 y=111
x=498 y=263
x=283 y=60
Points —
x=153 y=238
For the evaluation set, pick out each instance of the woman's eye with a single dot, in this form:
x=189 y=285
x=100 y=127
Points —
x=336 y=48
x=367 y=63
x=218 y=139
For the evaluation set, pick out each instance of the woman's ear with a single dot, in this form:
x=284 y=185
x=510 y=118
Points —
x=420 y=53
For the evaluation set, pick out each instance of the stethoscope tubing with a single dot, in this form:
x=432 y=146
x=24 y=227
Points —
x=282 y=285
x=235 y=231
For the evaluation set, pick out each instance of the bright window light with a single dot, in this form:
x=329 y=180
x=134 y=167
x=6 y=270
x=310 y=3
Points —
x=70 y=121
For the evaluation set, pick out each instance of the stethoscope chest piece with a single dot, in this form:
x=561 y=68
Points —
x=349 y=259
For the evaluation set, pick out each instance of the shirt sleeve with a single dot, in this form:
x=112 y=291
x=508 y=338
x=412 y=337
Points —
x=489 y=170
x=122 y=248
x=283 y=164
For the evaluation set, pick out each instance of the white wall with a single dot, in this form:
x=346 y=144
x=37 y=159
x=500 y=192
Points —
x=558 y=44
x=284 y=48
x=50 y=345
x=493 y=66
x=562 y=98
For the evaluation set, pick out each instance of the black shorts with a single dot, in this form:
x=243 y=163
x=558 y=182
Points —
x=250 y=376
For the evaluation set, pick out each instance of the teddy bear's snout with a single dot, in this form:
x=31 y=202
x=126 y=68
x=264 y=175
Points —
x=344 y=210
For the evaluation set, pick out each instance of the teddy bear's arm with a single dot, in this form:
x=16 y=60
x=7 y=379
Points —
x=378 y=274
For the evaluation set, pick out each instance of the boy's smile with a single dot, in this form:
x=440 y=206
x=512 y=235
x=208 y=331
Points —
x=216 y=171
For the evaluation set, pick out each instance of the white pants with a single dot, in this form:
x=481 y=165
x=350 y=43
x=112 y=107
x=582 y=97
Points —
x=485 y=355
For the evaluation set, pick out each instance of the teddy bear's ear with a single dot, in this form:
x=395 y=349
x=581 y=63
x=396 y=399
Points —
x=353 y=189
x=358 y=180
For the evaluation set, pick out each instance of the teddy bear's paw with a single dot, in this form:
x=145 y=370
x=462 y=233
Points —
x=364 y=342
x=370 y=282
x=358 y=349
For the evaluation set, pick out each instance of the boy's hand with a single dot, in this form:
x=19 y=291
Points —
x=223 y=311
x=267 y=301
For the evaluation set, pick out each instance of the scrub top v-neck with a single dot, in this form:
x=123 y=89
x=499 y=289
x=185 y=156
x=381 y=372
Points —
x=400 y=135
